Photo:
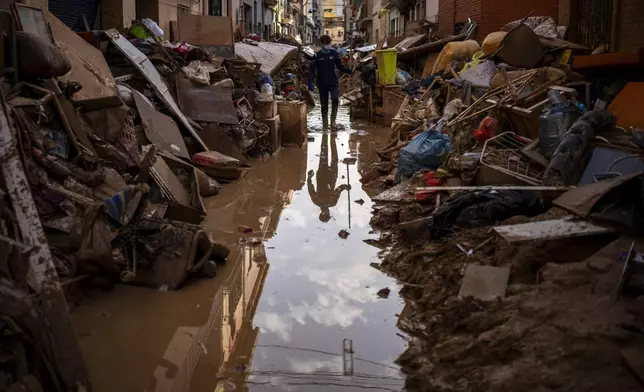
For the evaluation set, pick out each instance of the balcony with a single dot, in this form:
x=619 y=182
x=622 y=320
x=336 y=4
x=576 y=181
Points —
x=270 y=3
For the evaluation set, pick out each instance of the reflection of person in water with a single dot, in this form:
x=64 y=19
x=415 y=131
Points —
x=326 y=195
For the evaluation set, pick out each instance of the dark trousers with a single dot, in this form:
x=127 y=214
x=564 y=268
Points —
x=324 y=97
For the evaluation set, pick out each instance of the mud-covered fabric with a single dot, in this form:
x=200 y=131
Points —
x=482 y=208
x=571 y=156
x=544 y=26
x=28 y=361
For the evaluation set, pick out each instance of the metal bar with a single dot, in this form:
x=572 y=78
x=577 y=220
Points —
x=43 y=276
x=493 y=188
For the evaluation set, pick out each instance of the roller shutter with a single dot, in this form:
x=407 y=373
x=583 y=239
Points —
x=71 y=12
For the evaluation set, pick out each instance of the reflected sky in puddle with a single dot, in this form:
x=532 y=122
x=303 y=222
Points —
x=320 y=288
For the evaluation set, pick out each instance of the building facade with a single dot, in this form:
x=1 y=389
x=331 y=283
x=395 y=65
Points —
x=377 y=19
x=591 y=22
x=333 y=25
x=490 y=15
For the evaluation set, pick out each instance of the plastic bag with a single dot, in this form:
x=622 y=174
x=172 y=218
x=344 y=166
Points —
x=152 y=26
x=402 y=77
x=125 y=93
x=197 y=73
x=267 y=89
x=426 y=151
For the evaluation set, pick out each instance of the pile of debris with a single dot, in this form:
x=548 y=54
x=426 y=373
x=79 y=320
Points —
x=108 y=143
x=514 y=184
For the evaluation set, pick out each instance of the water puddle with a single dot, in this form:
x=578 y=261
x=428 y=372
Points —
x=295 y=308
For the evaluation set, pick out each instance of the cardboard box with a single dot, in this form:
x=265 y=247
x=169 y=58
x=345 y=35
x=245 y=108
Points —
x=265 y=110
x=294 y=125
x=275 y=135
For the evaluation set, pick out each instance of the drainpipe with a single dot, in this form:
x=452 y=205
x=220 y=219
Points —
x=614 y=39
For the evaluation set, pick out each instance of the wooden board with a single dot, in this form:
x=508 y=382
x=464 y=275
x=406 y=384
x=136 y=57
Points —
x=429 y=64
x=401 y=193
x=412 y=41
x=205 y=103
x=205 y=30
x=160 y=129
x=270 y=55
x=392 y=99
x=89 y=67
x=554 y=229
x=627 y=106
x=580 y=201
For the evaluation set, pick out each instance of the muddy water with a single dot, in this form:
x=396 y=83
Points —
x=292 y=294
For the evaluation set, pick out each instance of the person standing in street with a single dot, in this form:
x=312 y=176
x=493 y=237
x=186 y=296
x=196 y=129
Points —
x=324 y=65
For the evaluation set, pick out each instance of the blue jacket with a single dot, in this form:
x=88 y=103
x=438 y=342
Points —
x=325 y=63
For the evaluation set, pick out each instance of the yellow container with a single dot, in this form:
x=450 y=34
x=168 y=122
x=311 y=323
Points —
x=386 y=61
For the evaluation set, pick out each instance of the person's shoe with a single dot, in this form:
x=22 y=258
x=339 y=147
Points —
x=334 y=115
x=325 y=122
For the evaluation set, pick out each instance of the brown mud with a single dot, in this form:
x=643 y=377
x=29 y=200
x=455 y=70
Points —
x=557 y=329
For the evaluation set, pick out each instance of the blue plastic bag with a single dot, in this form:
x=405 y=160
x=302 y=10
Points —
x=426 y=151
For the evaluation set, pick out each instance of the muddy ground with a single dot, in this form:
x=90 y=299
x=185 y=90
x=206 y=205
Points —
x=560 y=326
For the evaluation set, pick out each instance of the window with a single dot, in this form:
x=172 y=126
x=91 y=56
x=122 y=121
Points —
x=183 y=10
x=215 y=7
x=376 y=35
x=328 y=10
x=414 y=13
x=248 y=19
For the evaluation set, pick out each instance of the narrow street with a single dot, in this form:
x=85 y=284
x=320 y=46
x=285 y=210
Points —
x=292 y=290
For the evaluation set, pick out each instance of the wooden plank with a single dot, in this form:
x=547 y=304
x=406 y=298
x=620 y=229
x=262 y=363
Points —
x=580 y=201
x=608 y=60
x=205 y=30
x=160 y=129
x=89 y=67
x=627 y=108
x=205 y=103
x=429 y=64
x=492 y=188
x=554 y=229
x=402 y=192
